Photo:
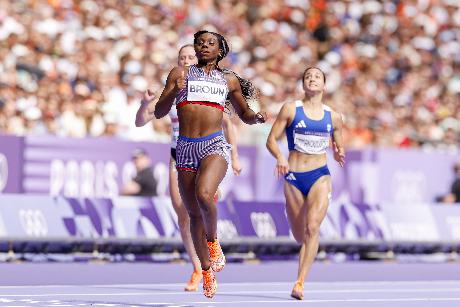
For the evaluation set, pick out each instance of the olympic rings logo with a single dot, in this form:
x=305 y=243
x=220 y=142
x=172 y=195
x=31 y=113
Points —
x=3 y=172
x=263 y=224
x=33 y=222
x=226 y=229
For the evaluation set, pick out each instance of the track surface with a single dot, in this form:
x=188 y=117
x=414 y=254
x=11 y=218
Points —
x=266 y=284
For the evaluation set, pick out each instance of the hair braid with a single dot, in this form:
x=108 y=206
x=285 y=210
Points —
x=249 y=91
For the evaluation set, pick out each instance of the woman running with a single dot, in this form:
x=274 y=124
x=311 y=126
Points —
x=309 y=126
x=201 y=93
x=186 y=57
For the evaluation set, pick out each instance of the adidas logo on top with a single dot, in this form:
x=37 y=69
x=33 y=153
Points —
x=291 y=177
x=301 y=124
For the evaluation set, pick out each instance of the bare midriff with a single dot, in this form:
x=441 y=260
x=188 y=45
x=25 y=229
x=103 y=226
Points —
x=301 y=162
x=197 y=121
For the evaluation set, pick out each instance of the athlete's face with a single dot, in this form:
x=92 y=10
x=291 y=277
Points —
x=313 y=80
x=207 y=47
x=187 y=56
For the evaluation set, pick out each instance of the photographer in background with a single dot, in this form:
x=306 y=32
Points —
x=144 y=183
x=454 y=194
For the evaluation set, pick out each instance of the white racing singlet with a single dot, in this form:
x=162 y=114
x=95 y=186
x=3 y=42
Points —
x=203 y=88
x=174 y=126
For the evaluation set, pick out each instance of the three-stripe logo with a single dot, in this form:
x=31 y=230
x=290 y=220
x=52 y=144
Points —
x=291 y=177
x=301 y=124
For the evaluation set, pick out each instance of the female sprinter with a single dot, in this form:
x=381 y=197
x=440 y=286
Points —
x=186 y=57
x=309 y=125
x=202 y=153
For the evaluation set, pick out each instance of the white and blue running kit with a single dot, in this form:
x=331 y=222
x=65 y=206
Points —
x=209 y=90
x=311 y=137
x=174 y=131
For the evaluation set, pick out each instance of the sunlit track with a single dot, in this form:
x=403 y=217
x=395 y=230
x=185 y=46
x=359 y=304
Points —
x=350 y=287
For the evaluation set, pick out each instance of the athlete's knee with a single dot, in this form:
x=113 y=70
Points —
x=312 y=228
x=204 y=196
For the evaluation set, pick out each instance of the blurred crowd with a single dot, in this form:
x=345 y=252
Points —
x=78 y=68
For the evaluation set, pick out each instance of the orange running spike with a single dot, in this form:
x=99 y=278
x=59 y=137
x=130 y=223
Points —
x=216 y=256
x=209 y=283
x=194 y=281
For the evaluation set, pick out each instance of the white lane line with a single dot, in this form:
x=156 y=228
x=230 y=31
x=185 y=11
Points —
x=415 y=299
x=81 y=294
x=367 y=283
x=415 y=282
x=317 y=301
x=38 y=286
x=313 y=283
x=149 y=293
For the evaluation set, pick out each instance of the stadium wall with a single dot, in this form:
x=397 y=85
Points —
x=98 y=167
x=56 y=191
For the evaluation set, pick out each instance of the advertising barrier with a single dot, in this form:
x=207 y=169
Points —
x=11 y=151
x=98 y=167
x=39 y=217
x=374 y=176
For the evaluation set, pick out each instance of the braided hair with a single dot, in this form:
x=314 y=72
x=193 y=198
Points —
x=249 y=91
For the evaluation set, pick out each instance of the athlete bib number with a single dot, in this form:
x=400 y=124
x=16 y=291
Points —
x=206 y=91
x=311 y=143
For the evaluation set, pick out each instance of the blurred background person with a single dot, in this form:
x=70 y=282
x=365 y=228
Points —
x=454 y=195
x=455 y=188
x=144 y=182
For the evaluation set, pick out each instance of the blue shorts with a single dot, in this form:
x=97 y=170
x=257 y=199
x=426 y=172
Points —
x=191 y=151
x=304 y=181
